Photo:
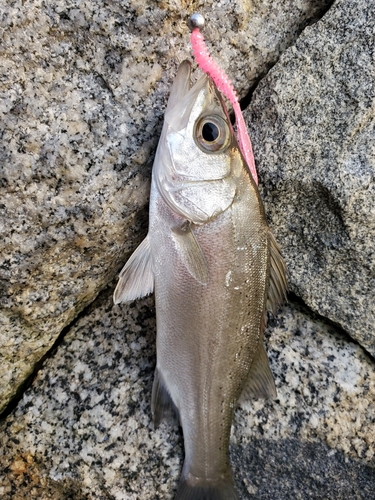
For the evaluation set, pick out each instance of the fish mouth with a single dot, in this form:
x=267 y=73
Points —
x=184 y=96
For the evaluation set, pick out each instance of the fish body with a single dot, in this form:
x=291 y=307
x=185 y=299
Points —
x=214 y=266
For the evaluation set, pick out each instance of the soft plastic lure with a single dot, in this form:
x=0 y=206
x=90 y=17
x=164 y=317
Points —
x=222 y=82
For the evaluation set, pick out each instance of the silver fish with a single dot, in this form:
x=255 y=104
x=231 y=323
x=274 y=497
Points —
x=215 y=268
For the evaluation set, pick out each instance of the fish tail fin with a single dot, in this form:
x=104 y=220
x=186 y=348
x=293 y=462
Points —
x=206 y=491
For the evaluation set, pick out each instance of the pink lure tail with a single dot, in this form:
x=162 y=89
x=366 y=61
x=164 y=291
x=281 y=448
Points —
x=222 y=82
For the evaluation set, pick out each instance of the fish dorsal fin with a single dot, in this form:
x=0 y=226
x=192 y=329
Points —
x=137 y=277
x=190 y=252
x=260 y=383
x=162 y=406
x=278 y=286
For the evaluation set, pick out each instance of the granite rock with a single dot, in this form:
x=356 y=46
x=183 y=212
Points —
x=83 y=87
x=312 y=123
x=290 y=468
x=83 y=429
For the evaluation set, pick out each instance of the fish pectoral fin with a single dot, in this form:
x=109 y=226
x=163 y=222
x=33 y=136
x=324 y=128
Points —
x=260 y=383
x=162 y=405
x=137 y=277
x=190 y=252
x=278 y=285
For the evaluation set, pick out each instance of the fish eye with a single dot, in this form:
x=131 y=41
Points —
x=212 y=134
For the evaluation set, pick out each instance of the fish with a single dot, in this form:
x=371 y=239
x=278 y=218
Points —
x=215 y=269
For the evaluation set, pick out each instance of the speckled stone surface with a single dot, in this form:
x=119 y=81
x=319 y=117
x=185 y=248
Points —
x=286 y=469
x=82 y=92
x=311 y=121
x=326 y=388
x=83 y=429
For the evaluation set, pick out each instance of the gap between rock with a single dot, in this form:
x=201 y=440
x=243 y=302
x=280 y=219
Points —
x=50 y=353
x=295 y=299
x=245 y=101
x=108 y=291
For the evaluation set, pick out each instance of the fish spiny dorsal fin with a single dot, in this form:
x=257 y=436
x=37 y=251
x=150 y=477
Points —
x=137 y=277
x=260 y=383
x=278 y=285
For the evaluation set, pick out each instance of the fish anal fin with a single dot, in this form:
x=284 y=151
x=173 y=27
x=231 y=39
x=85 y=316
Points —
x=137 y=277
x=162 y=405
x=190 y=252
x=277 y=285
x=260 y=383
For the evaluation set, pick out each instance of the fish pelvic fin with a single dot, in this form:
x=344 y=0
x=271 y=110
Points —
x=137 y=277
x=278 y=284
x=260 y=383
x=162 y=405
x=205 y=490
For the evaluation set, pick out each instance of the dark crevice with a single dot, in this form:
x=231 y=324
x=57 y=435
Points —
x=27 y=383
x=245 y=101
x=295 y=299
x=103 y=295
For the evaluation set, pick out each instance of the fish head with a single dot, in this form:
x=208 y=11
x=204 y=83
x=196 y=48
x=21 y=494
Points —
x=198 y=156
x=199 y=130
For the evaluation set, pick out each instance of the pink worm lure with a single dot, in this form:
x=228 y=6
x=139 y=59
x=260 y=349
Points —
x=222 y=82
